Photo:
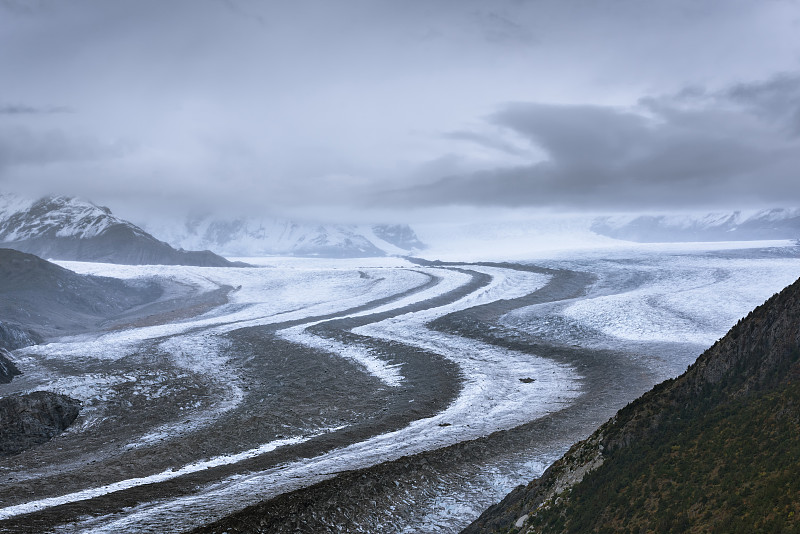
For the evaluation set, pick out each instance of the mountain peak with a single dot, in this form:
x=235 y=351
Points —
x=68 y=228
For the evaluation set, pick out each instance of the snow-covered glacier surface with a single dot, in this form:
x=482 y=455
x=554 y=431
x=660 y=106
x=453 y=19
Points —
x=655 y=308
x=689 y=298
x=671 y=301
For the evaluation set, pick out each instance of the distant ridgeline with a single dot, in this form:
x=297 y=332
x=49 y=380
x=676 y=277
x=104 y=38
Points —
x=65 y=228
x=714 y=450
x=269 y=236
x=732 y=226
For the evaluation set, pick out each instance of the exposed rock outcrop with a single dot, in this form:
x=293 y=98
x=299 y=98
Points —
x=34 y=418
x=14 y=337
x=7 y=368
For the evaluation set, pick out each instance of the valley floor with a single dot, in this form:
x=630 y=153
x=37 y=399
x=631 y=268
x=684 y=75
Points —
x=357 y=394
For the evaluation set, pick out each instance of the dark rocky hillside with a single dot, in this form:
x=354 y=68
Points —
x=8 y=370
x=39 y=298
x=13 y=336
x=34 y=418
x=714 y=450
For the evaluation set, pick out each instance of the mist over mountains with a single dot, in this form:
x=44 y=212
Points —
x=367 y=266
x=67 y=228
x=720 y=226
x=269 y=236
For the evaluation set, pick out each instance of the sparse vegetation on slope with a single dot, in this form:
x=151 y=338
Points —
x=731 y=469
x=714 y=450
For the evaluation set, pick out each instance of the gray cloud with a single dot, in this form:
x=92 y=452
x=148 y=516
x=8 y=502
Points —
x=24 y=7
x=777 y=99
x=23 y=109
x=22 y=146
x=337 y=106
x=237 y=9
x=499 y=28
x=490 y=141
x=737 y=146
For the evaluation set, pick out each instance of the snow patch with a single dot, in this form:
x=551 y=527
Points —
x=35 y=506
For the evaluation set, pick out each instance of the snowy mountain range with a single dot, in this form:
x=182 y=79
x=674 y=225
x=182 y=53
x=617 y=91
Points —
x=67 y=228
x=272 y=236
x=729 y=226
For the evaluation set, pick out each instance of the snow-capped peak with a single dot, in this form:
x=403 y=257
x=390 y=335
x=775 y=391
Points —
x=22 y=219
x=68 y=228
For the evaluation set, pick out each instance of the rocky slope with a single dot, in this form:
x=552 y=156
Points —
x=14 y=336
x=267 y=236
x=66 y=228
x=40 y=299
x=726 y=226
x=8 y=370
x=34 y=418
x=713 y=450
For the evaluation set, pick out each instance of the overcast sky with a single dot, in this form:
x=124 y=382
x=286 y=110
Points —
x=361 y=106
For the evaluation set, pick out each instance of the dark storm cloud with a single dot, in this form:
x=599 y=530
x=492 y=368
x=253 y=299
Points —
x=738 y=146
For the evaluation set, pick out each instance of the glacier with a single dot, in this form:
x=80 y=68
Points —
x=641 y=314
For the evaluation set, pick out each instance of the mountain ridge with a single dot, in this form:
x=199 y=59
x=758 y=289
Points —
x=271 y=236
x=66 y=228
x=41 y=299
x=778 y=223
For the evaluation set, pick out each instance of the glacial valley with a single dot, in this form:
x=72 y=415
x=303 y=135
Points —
x=357 y=394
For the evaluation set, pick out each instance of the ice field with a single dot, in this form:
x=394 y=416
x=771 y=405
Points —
x=662 y=306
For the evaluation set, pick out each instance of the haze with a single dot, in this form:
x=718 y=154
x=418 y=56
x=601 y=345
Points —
x=375 y=108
